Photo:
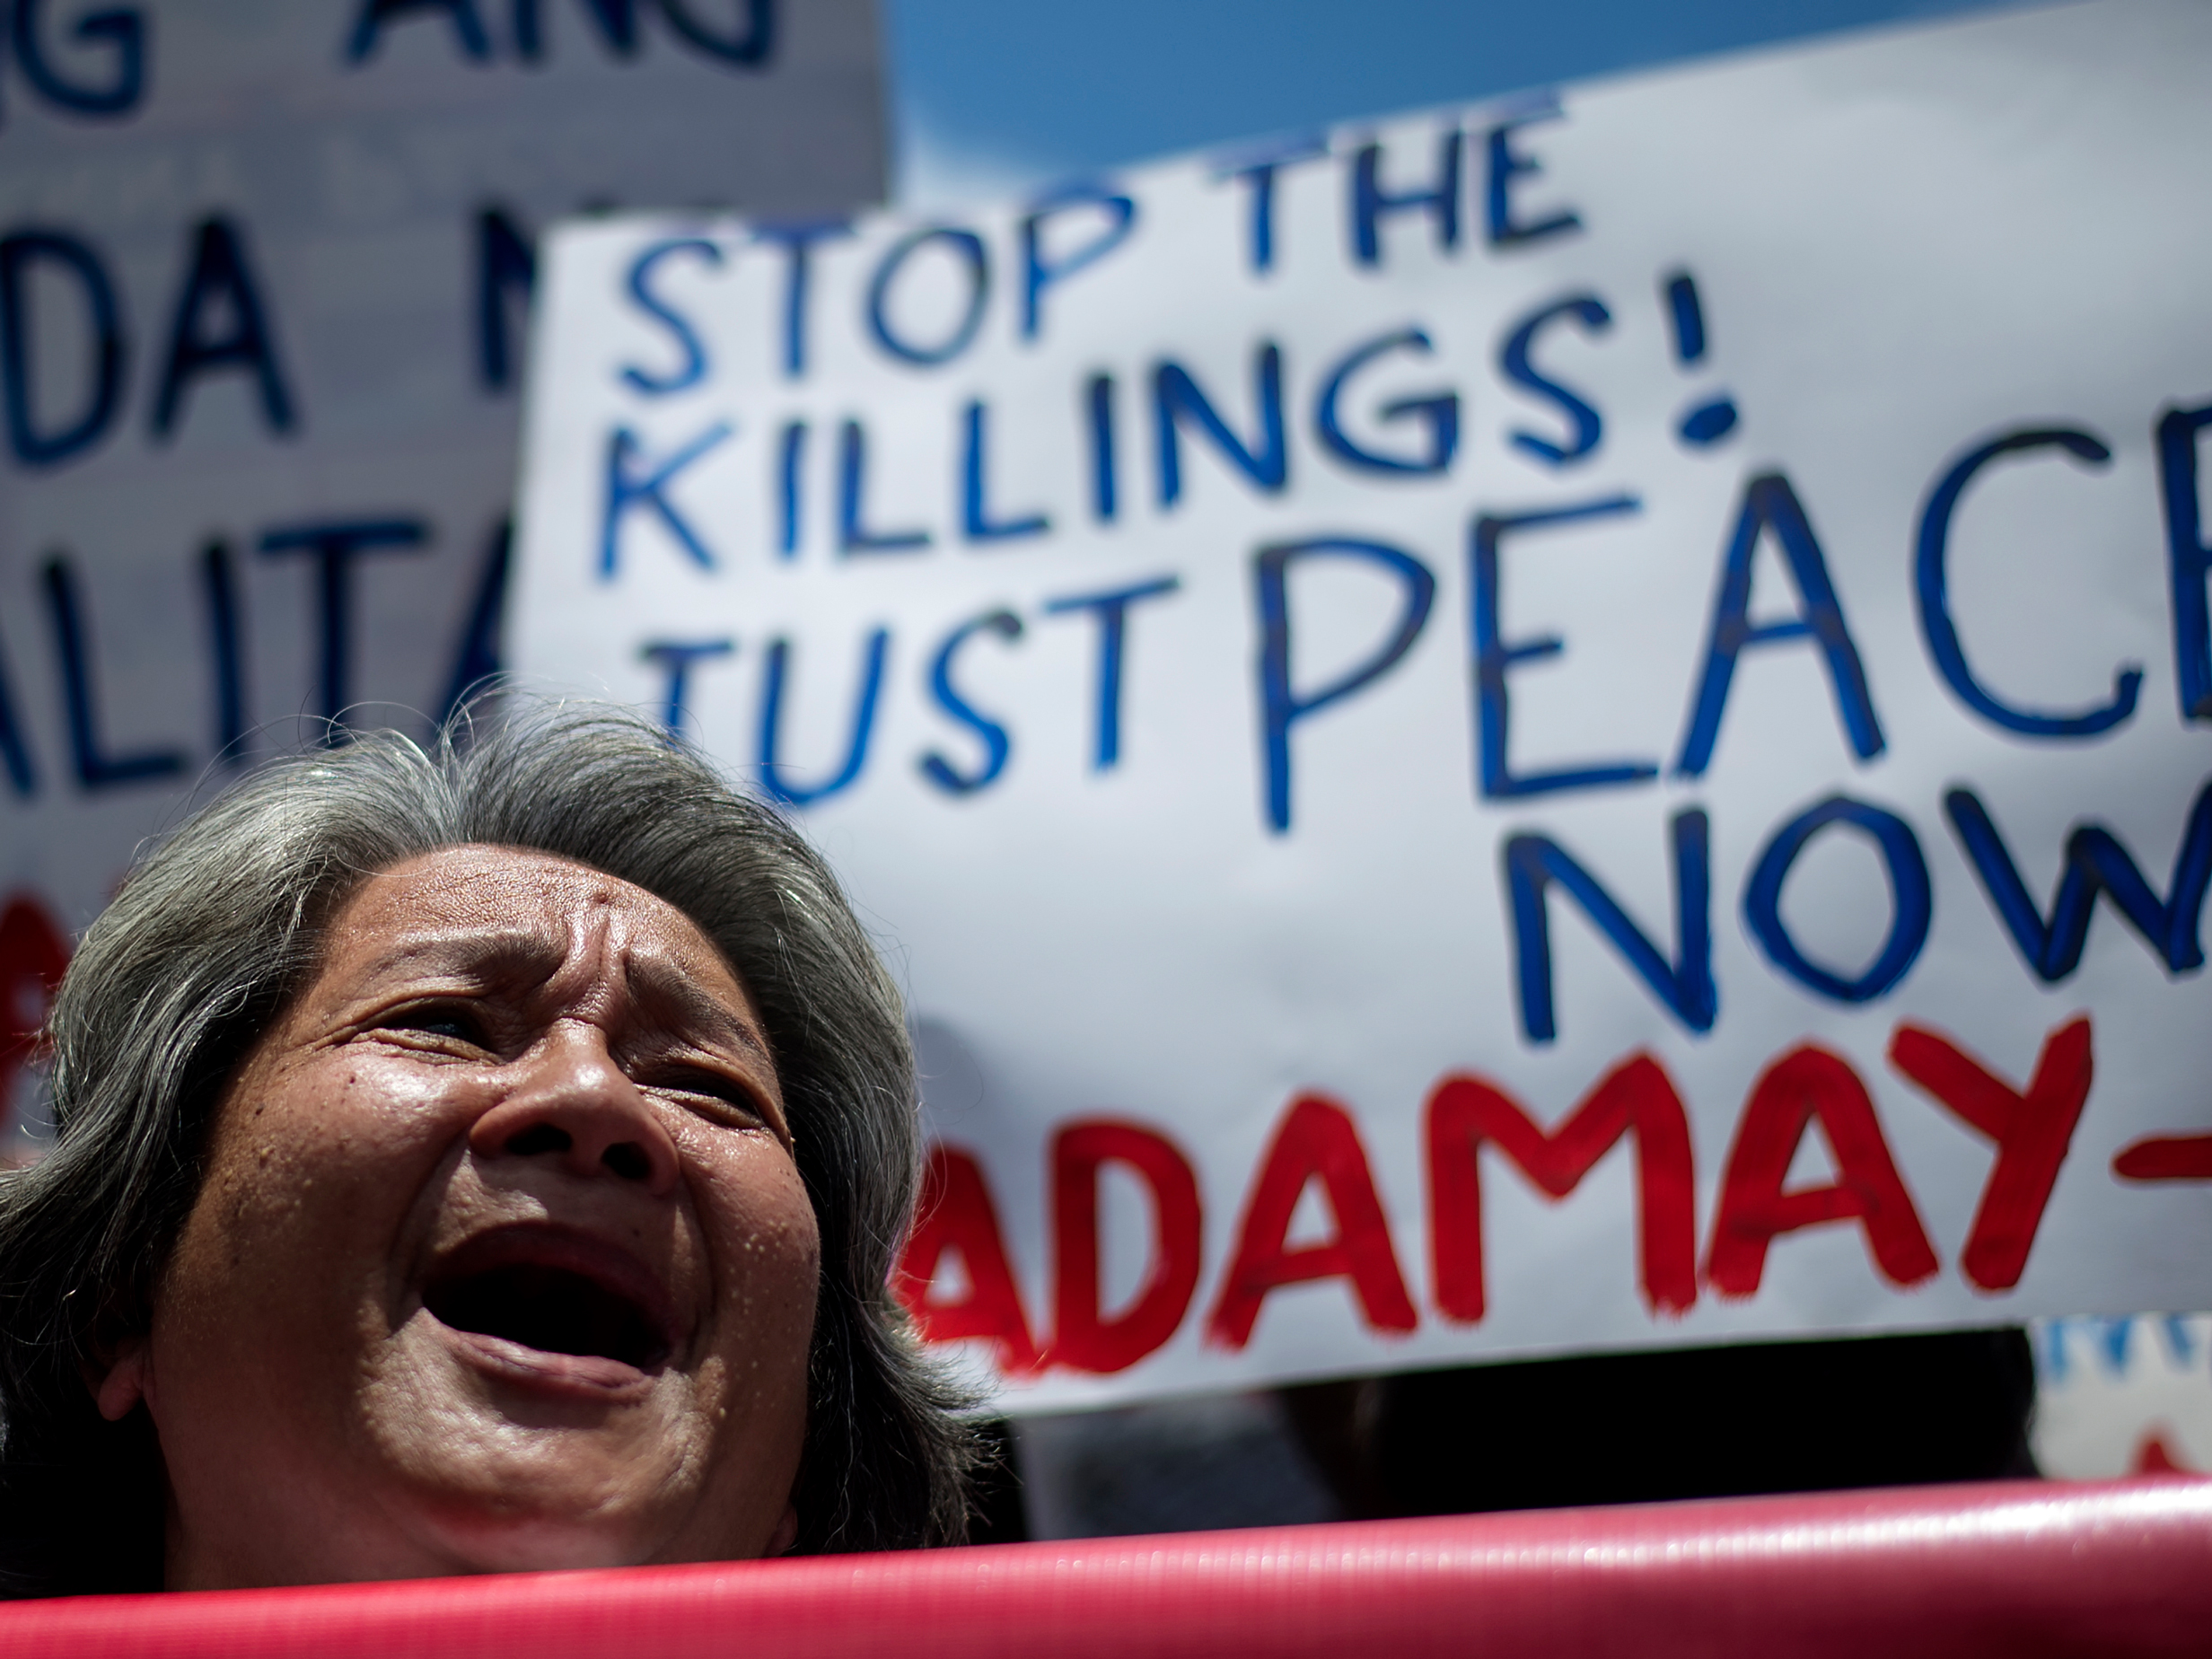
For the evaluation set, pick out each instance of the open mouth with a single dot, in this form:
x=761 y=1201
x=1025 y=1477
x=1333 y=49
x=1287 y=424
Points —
x=552 y=1308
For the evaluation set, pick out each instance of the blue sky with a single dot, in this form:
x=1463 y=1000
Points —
x=996 y=97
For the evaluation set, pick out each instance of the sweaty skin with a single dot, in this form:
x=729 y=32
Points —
x=510 y=1070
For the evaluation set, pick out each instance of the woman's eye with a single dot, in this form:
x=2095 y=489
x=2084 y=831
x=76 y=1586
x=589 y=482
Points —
x=726 y=1091
x=455 y=1023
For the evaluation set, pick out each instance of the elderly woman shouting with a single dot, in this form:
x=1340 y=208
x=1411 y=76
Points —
x=473 y=1160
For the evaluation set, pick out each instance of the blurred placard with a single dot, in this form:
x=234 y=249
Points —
x=264 y=266
x=1579 y=722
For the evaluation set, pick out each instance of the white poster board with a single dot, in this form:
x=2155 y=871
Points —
x=1576 y=724
x=264 y=266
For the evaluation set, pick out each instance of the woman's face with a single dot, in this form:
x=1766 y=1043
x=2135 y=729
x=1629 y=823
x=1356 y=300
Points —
x=502 y=1261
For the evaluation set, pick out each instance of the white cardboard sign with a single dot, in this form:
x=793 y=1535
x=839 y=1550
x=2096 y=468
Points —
x=264 y=266
x=1575 y=723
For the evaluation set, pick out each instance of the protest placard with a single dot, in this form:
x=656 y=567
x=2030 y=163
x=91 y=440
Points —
x=1574 y=723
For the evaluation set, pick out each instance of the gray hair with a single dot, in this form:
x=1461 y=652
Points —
x=221 y=925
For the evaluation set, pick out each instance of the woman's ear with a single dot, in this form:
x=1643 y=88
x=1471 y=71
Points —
x=129 y=1379
x=786 y=1532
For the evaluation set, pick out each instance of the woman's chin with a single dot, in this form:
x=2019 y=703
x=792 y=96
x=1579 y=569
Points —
x=562 y=1504
x=515 y=1458
x=473 y=1541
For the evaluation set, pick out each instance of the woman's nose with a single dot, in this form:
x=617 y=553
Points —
x=576 y=1106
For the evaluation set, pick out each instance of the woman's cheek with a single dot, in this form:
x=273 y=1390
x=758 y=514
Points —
x=768 y=1244
x=319 y=1161
x=383 y=1119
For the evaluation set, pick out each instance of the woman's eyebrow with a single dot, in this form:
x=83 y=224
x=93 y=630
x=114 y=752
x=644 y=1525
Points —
x=670 y=993
x=520 y=955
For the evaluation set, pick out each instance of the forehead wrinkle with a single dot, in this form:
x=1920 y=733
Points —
x=518 y=952
x=597 y=936
x=613 y=934
x=663 y=986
